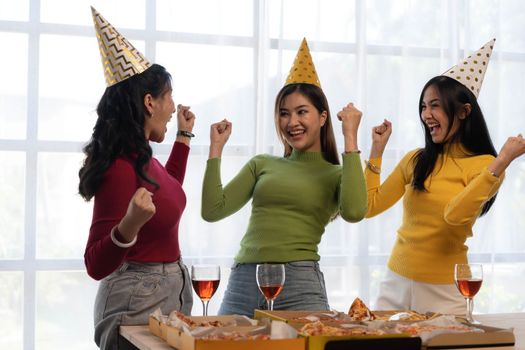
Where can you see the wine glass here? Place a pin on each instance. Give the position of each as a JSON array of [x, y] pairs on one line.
[[468, 279], [270, 279], [205, 280]]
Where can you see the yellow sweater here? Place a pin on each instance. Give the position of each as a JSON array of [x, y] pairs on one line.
[[436, 223]]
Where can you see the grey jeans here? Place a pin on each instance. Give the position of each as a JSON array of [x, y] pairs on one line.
[[304, 289], [133, 291]]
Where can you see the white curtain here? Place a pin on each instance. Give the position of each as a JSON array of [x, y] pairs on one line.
[[228, 59]]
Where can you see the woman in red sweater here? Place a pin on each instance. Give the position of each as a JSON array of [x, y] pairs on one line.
[[133, 244]]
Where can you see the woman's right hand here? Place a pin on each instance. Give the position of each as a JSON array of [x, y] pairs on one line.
[[140, 210], [350, 118], [380, 135], [219, 134]]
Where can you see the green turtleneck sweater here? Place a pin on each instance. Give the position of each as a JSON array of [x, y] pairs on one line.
[[293, 199]]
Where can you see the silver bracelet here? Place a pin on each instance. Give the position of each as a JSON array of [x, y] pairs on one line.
[[120, 244]]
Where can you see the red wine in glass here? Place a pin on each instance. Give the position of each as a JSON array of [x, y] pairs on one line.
[[469, 288], [205, 280], [271, 292], [270, 279], [468, 278], [205, 289]]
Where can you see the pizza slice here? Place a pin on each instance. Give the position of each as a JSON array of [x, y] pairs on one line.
[[360, 312]]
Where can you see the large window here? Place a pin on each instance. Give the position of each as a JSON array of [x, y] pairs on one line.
[[228, 59]]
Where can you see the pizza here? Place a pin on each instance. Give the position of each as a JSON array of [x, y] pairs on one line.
[[319, 328], [360, 312], [235, 336], [330, 317], [418, 328], [402, 316], [192, 324]]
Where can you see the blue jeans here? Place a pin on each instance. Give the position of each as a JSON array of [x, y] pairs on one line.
[[133, 291], [304, 289]]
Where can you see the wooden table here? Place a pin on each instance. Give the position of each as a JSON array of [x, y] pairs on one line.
[[141, 337]]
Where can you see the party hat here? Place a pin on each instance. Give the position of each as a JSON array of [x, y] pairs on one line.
[[120, 59], [470, 71], [303, 69]]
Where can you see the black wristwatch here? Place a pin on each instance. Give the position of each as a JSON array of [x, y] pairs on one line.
[[185, 133]]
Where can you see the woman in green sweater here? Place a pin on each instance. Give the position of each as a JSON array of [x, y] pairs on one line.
[[445, 187], [293, 197]]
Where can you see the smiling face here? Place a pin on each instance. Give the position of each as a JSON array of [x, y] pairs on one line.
[[300, 123], [435, 117], [160, 111]]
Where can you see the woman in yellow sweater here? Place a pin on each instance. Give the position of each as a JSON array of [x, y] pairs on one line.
[[445, 187]]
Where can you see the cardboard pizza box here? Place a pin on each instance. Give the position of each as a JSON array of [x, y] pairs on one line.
[[183, 341], [364, 342], [155, 327], [492, 336]]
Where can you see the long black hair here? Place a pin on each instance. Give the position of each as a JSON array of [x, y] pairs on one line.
[[316, 96], [119, 130], [472, 133]]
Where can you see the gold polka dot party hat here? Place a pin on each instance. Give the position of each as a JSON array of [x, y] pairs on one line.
[[471, 71], [303, 69], [120, 60]]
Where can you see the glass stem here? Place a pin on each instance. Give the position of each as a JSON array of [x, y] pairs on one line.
[[470, 305], [205, 307], [270, 304]]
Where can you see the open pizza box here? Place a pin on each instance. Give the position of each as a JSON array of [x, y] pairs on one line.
[[224, 332], [492, 336], [227, 338], [184, 341], [298, 319], [159, 324], [330, 317], [487, 336]]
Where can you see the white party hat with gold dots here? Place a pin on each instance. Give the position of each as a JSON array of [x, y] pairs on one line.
[[471, 71], [120, 59], [303, 69]]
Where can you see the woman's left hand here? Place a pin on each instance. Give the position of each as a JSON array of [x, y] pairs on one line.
[[513, 148], [185, 118], [350, 118]]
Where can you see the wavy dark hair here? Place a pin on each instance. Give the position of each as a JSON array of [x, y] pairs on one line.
[[472, 133], [119, 130], [317, 97]]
